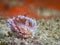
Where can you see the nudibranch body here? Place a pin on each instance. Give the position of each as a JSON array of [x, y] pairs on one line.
[[23, 26]]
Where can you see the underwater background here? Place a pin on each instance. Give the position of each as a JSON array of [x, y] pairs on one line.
[[46, 14]]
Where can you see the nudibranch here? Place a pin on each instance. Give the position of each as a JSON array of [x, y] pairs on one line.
[[23, 26]]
